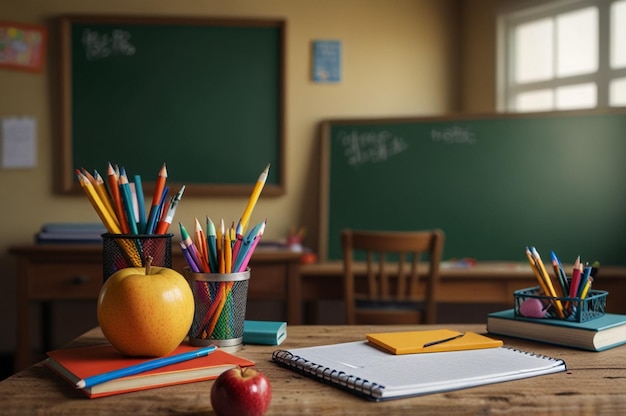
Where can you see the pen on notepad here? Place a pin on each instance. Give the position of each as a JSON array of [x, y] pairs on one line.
[[441, 341], [146, 366]]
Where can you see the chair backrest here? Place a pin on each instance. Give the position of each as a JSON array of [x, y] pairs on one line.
[[391, 293]]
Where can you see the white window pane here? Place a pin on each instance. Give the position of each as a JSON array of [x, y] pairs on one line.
[[533, 51], [618, 92], [576, 96], [540, 100], [577, 42], [618, 34]]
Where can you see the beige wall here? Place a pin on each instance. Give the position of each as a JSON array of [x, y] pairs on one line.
[[477, 56], [400, 57]]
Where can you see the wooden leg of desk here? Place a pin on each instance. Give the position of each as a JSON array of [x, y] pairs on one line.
[[294, 296], [46, 326], [23, 349]]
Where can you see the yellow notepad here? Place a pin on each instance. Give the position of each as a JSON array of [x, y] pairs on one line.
[[437, 340]]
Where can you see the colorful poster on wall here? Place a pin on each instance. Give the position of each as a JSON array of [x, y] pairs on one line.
[[22, 46]]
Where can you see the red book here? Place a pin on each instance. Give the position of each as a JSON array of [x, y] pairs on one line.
[[74, 364]]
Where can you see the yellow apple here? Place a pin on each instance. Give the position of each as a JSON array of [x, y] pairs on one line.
[[145, 311]]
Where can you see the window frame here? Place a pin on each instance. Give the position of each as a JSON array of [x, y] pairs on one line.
[[514, 13]]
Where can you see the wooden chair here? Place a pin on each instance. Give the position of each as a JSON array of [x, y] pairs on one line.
[[391, 294]]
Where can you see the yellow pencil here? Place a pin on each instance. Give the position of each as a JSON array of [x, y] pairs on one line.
[[583, 295], [107, 220], [245, 217], [548, 282], [97, 204], [104, 196], [542, 283], [228, 253]]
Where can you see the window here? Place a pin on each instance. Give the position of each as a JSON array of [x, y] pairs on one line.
[[562, 55]]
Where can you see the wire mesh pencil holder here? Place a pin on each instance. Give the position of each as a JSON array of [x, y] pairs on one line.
[[220, 308], [120, 251], [574, 309]]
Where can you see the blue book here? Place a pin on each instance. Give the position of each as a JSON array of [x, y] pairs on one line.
[[74, 227], [598, 334], [264, 332]]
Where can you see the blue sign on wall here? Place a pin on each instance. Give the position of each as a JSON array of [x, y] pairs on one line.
[[327, 61]]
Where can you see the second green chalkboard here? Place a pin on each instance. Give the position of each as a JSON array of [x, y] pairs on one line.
[[494, 184]]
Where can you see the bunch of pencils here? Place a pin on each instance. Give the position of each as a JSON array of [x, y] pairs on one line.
[[222, 251], [120, 202], [568, 291], [219, 251], [120, 205]]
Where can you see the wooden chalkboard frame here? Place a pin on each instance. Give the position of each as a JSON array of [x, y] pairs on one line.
[[328, 127], [64, 179]]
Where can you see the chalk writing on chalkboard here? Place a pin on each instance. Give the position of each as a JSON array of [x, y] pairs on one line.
[[100, 45], [371, 146], [453, 135]]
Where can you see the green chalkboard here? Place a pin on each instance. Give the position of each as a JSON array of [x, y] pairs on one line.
[[494, 184], [203, 96]]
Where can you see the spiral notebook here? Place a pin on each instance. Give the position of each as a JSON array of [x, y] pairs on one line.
[[371, 373]]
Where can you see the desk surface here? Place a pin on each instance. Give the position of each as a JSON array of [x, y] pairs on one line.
[[594, 383], [450, 270]]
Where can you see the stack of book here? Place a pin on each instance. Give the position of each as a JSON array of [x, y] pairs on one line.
[[597, 334], [70, 233], [116, 372]]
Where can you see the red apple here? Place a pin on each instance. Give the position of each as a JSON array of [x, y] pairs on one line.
[[242, 392], [145, 311]]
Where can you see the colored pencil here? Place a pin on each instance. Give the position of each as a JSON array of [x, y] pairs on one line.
[[141, 207], [201, 244], [100, 188], [238, 239], [255, 242], [191, 247], [573, 288], [171, 210], [143, 367], [97, 204], [113, 183], [560, 273], [258, 187], [157, 200], [548, 281]]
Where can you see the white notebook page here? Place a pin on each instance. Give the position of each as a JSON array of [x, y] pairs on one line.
[[412, 374]]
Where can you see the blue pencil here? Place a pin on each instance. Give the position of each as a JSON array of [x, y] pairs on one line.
[[212, 245], [246, 245], [141, 205], [128, 202], [583, 280], [143, 367]]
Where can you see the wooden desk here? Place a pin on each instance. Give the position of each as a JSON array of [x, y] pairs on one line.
[[595, 383], [487, 282], [49, 273]]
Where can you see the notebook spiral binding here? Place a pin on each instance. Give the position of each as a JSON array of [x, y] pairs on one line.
[[534, 354], [327, 375]]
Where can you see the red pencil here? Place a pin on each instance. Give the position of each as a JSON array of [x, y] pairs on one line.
[[573, 287], [117, 199], [156, 201]]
